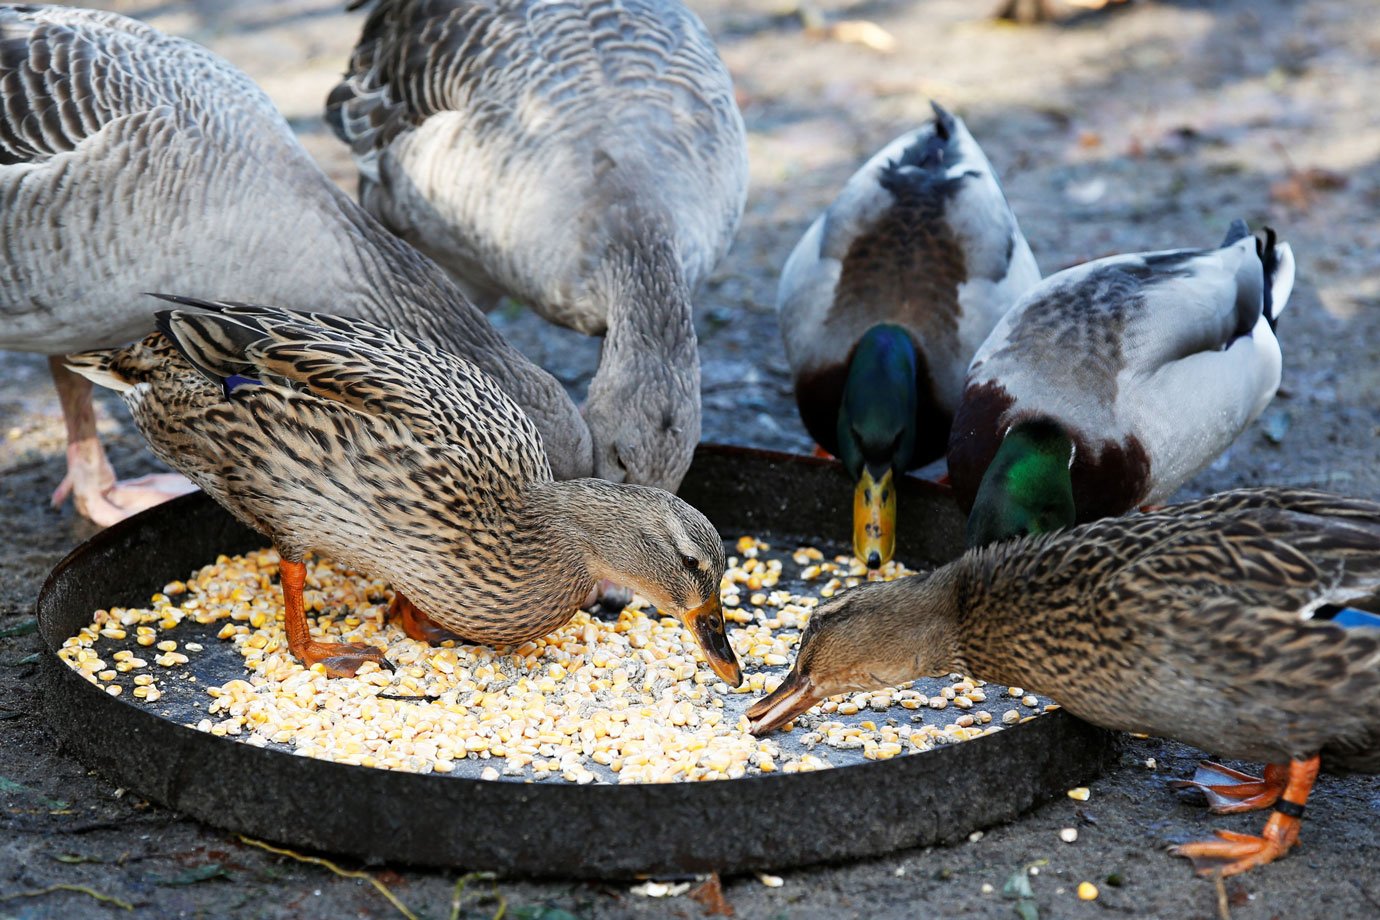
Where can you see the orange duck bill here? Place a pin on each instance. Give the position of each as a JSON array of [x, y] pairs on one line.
[[796, 695], [707, 623]]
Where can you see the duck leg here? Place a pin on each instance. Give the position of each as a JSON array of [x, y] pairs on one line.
[[1234, 853], [1230, 791], [90, 480], [414, 623], [340, 659]]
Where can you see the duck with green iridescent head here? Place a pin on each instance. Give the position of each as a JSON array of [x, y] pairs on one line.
[[883, 303], [1113, 383]]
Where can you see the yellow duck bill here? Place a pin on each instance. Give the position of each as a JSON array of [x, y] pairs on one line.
[[874, 519], [795, 696], [707, 623]]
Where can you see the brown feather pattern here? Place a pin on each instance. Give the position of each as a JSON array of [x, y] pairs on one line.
[[1192, 623], [400, 460]]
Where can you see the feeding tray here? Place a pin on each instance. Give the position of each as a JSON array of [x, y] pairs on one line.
[[857, 808]]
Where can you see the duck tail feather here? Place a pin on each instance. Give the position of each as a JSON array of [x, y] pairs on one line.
[[100, 368], [212, 342], [943, 121], [1277, 261]]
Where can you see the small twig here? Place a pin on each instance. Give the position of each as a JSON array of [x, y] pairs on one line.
[[1223, 909], [343, 873], [457, 895], [81, 889]]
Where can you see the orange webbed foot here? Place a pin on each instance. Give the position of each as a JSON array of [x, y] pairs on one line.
[[415, 624], [821, 453], [1232, 853], [341, 659], [1230, 791]]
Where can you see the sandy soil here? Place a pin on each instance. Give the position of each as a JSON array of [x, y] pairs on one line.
[[1148, 128]]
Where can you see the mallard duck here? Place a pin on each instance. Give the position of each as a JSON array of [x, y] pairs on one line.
[[133, 161], [396, 459], [586, 159], [883, 303], [1113, 383], [1202, 622]]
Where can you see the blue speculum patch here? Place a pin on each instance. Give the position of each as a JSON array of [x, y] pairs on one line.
[[1350, 617], [235, 381]]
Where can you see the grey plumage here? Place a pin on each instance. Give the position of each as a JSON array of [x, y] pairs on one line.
[[586, 158], [133, 161]]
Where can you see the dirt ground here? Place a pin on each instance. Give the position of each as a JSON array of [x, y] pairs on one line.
[[1147, 128]]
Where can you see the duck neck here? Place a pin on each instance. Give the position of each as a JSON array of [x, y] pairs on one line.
[[393, 284], [651, 328], [570, 522], [993, 621]]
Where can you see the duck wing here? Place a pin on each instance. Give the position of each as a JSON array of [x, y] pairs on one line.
[[440, 398]]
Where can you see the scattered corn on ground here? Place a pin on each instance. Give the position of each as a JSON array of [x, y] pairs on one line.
[[627, 701]]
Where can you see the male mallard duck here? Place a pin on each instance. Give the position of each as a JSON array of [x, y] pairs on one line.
[[1113, 383], [397, 459], [133, 161], [1201, 623], [883, 303], [585, 158]]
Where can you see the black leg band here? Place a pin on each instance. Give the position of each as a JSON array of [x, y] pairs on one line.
[[1289, 809]]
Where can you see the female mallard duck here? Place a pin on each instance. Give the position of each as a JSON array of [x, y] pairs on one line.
[[1202, 622], [1113, 383], [585, 158], [1195, 622], [397, 459], [133, 161], [883, 303]]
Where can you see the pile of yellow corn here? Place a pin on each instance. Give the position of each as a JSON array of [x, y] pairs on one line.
[[626, 701]]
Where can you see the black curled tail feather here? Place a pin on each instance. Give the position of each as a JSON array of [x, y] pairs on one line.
[[1269, 261], [943, 121]]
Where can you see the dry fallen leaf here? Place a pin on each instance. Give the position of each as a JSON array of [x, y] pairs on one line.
[[1297, 189], [863, 32], [710, 894]]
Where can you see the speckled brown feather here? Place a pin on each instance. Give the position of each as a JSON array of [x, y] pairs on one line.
[[1189, 623], [399, 460]]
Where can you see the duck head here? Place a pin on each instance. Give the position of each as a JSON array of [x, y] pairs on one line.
[[1027, 488], [876, 435], [877, 635], [662, 548]]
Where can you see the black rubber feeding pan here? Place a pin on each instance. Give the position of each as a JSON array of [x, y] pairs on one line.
[[554, 829]]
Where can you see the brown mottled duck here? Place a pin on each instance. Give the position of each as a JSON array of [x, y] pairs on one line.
[[1214, 623], [397, 459]]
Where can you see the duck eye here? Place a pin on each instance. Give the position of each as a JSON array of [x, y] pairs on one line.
[[690, 562]]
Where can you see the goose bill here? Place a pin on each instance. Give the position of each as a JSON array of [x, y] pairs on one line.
[[707, 623], [795, 696]]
